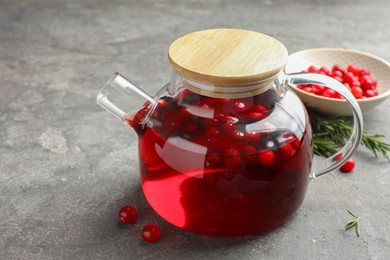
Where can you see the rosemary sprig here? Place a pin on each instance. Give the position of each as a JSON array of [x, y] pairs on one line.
[[355, 222], [329, 134]]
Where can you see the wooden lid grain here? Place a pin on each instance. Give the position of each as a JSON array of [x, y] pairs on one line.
[[224, 57]]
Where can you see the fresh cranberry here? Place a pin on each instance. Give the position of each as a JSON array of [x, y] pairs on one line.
[[349, 77], [338, 68], [348, 166], [313, 69], [308, 89], [353, 69], [337, 73], [151, 233], [324, 70], [363, 72], [127, 214], [357, 92], [318, 89], [266, 157], [369, 93], [330, 93], [367, 83]]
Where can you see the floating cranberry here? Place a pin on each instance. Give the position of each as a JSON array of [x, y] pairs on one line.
[[256, 115], [237, 135], [253, 136], [266, 157], [151, 233], [240, 106], [260, 108], [287, 150], [162, 103], [248, 149], [211, 132], [207, 103], [127, 214], [227, 127]]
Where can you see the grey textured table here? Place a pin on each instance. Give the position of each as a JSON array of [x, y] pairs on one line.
[[67, 166]]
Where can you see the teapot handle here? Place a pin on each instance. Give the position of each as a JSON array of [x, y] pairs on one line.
[[330, 163]]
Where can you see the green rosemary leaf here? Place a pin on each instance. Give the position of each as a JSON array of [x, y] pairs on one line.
[[358, 228], [355, 222], [352, 214], [350, 224], [329, 134]]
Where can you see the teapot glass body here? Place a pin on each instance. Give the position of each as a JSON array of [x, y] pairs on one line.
[[224, 166]]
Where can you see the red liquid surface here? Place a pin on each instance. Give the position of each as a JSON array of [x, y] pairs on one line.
[[219, 181]]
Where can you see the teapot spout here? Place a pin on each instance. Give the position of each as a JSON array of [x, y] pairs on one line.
[[126, 101]]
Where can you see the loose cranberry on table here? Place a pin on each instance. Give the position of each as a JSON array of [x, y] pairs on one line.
[[348, 166], [358, 80], [151, 233], [127, 214]]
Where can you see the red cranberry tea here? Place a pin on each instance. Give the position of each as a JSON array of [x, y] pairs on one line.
[[210, 163]]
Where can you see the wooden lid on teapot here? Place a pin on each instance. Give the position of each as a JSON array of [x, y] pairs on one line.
[[227, 57]]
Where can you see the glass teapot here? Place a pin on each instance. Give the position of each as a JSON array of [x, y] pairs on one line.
[[226, 147]]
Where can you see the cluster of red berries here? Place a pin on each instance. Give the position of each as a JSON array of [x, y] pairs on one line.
[[150, 233], [357, 80]]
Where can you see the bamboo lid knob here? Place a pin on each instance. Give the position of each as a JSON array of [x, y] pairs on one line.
[[227, 56]]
